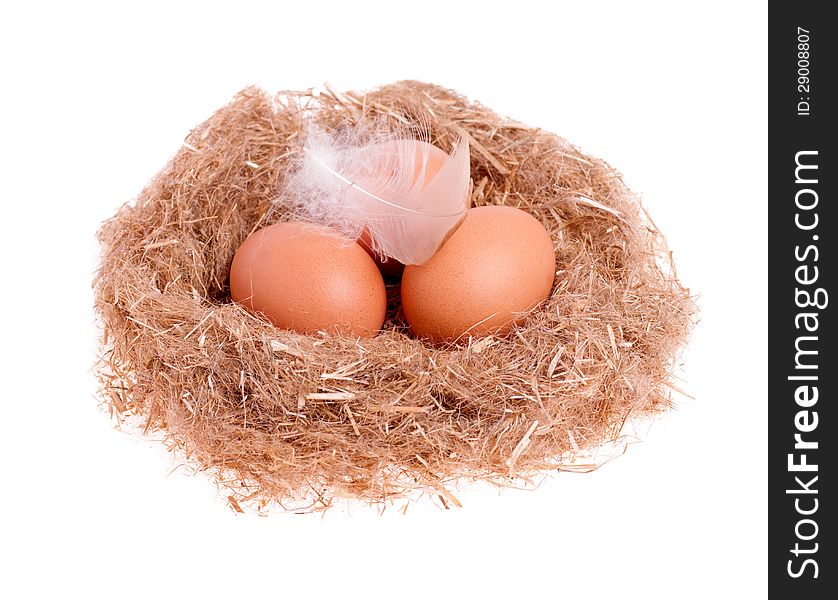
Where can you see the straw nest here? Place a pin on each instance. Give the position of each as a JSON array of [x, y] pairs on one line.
[[297, 419]]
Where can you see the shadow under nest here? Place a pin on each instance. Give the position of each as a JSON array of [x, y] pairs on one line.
[[298, 419]]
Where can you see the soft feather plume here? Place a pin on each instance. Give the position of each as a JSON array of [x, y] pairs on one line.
[[363, 178]]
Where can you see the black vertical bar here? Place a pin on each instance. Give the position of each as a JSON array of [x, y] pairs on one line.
[[802, 558]]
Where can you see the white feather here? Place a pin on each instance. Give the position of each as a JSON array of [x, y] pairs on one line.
[[375, 180]]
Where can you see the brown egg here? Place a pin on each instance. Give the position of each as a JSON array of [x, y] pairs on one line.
[[493, 270], [303, 277], [436, 157], [390, 268]]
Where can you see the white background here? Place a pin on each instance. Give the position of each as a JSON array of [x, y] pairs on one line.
[[94, 101]]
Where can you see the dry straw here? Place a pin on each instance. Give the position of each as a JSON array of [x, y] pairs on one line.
[[297, 419]]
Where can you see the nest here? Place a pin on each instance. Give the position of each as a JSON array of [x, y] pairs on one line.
[[297, 419]]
